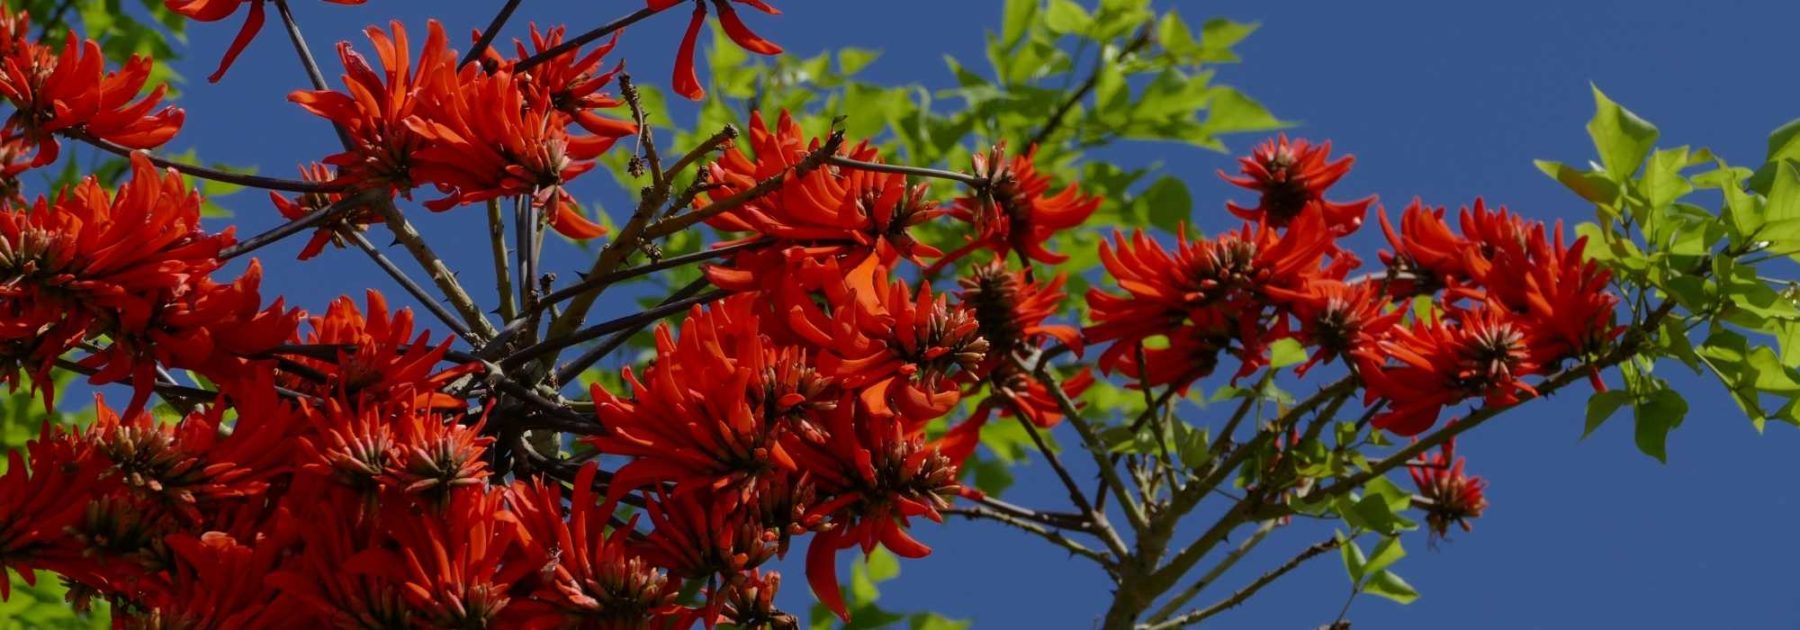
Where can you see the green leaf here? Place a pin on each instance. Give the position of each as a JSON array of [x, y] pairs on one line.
[[1602, 406], [1066, 17], [1622, 138], [1167, 203], [1784, 195], [934, 621], [1390, 586], [1218, 35], [1016, 21], [1286, 352], [853, 60], [1592, 186], [1386, 553], [1231, 111], [1353, 558], [1656, 414]]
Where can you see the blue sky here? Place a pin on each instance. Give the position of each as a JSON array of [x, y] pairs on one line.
[[1442, 100]]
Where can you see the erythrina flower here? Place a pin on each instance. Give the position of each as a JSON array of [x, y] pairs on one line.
[[1016, 211], [376, 356], [589, 576], [1483, 353], [1340, 319], [485, 140], [709, 409], [456, 565], [375, 106], [877, 477], [72, 93], [43, 494], [1208, 292], [128, 265], [1424, 249], [215, 10], [843, 213], [308, 203], [573, 84], [1451, 497], [1293, 178], [687, 82], [905, 353], [215, 581]]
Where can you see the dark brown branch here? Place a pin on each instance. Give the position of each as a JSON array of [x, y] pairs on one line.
[[239, 179], [296, 226], [591, 333], [406, 282], [488, 34], [901, 169], [1250, 589], [569, 371], [622, 275], [582, 39]]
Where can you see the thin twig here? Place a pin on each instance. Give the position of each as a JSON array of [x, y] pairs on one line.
[[1057, 117], [622, 275], [502, 268], [406, 282], [902, 169], [239, 179], [582, 39], [597, 331], [295, 226], [1054, 537], [1250, 589], [569, 371], [487, 34]]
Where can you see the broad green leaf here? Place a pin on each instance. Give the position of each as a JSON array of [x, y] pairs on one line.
[[1016, 21], [1066, 17], [1390, 586], [1602, 406], [1352, 556], [1386, 553], [1656, 414], [1286, 352], [1592, 186], [1167, 203], [1218, 35], [1622, 138], [853, 60]]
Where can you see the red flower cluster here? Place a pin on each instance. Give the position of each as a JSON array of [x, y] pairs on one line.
[[477, 132], [1508, 301], [814, 215], [1015, 212], [71, 93], [132, 267], [1450, 497]]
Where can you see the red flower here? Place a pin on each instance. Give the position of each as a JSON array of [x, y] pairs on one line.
[[215, 10], [1018, 212], [573, 84], [1570, 303], [709, 409], [843, 213], [214, 582], [1484, 352], [435, 457], [72, 93], [1340, 319], [131, 266], [1292, 178], [456, 566], [905, 353], [1204, 296], [1424, 249], [485, 139], [375, 106], [44, 493], [1451, 497], [687, 82], [309, 203], [377, 357], [877, 477], [588, 575]]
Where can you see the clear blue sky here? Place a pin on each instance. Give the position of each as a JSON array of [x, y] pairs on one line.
[[1442, 100]]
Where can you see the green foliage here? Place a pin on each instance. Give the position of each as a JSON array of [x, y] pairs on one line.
[[1726, 274]]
